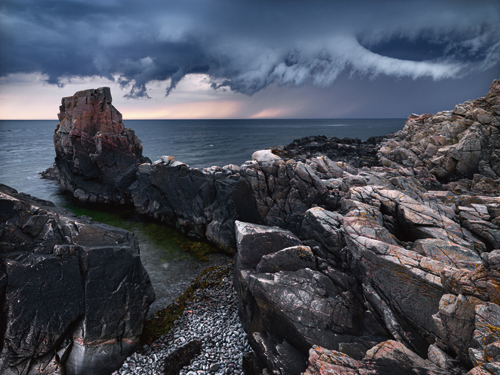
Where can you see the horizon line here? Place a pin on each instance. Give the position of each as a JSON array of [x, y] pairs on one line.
[[228, 119]]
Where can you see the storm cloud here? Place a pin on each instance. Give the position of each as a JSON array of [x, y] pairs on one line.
[[245, 46]]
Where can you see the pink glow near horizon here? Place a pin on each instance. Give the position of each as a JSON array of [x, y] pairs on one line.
[[193, 99]]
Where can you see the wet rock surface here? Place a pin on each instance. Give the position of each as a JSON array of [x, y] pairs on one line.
[[74, 293]]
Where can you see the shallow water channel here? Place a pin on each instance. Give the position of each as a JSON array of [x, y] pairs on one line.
[[172, 259]]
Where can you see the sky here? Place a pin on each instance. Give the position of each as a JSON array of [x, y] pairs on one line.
[[169, 59]]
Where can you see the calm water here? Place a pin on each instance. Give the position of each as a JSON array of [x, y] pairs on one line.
[[172, 260], [26, 147], [204, 143]]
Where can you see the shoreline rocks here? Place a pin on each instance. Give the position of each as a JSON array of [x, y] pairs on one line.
[[451, 144], [74, 293], [353, 151], [360, 267]]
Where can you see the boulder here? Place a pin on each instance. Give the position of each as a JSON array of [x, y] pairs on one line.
[[73, 293], [264, 156], [254, 241], [289, 259], [284, 299]]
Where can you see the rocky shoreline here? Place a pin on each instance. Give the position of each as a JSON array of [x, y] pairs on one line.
[[383, 258]]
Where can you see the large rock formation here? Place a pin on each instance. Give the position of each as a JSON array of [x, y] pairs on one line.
[[394, 262], [451, 144], [73, 293], [96, 156], [100, 160], [205, 203]]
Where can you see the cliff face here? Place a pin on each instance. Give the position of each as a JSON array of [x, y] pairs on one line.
[[451, 144], [97, 157]]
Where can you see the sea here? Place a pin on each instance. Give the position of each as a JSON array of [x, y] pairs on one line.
[[171, 259]]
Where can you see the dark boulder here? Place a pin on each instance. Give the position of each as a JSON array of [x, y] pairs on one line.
[[73, 293], [287, 306]]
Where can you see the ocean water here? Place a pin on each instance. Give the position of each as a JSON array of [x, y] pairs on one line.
[[205, 143], [26, 147], [171, 259]]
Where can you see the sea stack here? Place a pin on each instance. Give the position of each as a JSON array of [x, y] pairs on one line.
[[96, 156]]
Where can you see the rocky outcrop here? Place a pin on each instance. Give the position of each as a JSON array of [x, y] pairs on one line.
[[360, 267], [393, 262], [451, 144], [405, 279], [73, 293], [287, 305], [198, 202], [96, 156], [97, 159], [389, 357], [351, 150], [205, 203]]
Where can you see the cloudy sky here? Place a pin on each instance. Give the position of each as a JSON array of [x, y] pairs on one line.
[[248, 58]]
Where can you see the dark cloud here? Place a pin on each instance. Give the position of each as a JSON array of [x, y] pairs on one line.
[[246, 46]]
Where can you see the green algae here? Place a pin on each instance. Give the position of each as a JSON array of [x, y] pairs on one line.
[[167, 240]]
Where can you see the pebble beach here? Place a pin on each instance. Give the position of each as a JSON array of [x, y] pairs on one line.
[[211, 317]]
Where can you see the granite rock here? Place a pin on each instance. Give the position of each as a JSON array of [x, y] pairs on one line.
[[451, 144], [389, 357]]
